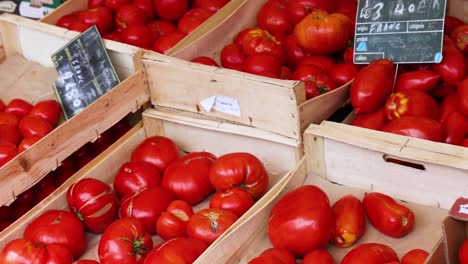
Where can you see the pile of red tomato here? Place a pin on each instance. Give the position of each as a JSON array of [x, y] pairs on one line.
[[150, 24], [153, 194], [428, 101]]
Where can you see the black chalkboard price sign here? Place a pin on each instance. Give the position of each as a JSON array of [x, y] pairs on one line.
[[404, 31], [85, 72]]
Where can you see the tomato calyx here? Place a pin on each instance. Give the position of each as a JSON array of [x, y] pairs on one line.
[[213, 218], [138, 248], [398, 104]]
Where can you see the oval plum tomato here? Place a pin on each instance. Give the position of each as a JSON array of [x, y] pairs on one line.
[[443, 90], [116, 4], [212, 5], [235, 199], [371, 86], [422, 80], [343, 73], [9, 134], [208, 224], [415, 256], [130, 15], [463, 253], [102, 17], [232, 57], [188, 177], [34, 126], [95, 3], [456, 128], [86, 261], [78, 26], [192, 19], [48, 109], [388, 216], [58, 227], [257, 41], [285, 73], [451, 23], [146, 205], [299, 9], [157, 150], [350, 221], [139, 36], [173, 223], [134, 176], [178, 250], [324, 62], [313, 213], [7, 152], [18, 107], [146, 6], [26, 251], [160, 28], [205, 60], [166, 42], [453, 67], [370, 253], [124, 241], [318, 256], [294, 52], [2, 106], [66, 20], [418, 127], [94, 202], [263, 64], [273, 17], [171, 10], [242, 170], [411, 103], [274, 256], [448, 106], [463, 96], [324, 33], [375, 120], [9, 119]]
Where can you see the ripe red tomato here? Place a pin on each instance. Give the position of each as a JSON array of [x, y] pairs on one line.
[[212, 5], [370, 253], [18, 107], [449, 105], [173, 223], [421, 80], [160, 28], [157, 150], [418, 127], [239, 39], [294, 52], [460, 38], [27, 197], [124, 241], [9, 134], [316, 80], [324, 33], [94, 202], [66, 20], [456, 128], [47, 181], [299, 9], [232, 57], [273, 17], [262, 64], [2, 106], [235, 199], [303, 227], [342, 73], [443, 90], [192, 19], [324, 62], [50, 110], [205, 60], [411, 103], [350, 221], [146, 205], [453, 67], [86, 261], [9, 119], [130, 15], [78, 26], [119, 129], [34, 126], [5, 212], [208, 224], [116, 4], [146, 6], [139, 36], [95, 3], [463, 96], [102, 17], [58, 227], [104, 141], [171, 10], [166, 42], [4, 224], [274, 256], [375, 120], [318, 256], [7, 152], [114, 35], [415, 256], [240, 169], [257, 41], [463, 253], [26, 251], [451, 23], [178, 250], [44, 193], [18, 211], [134, 176]]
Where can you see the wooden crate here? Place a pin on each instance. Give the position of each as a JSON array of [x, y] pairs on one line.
[[26, 71], [455, 233], [192, 133], [250, 239]]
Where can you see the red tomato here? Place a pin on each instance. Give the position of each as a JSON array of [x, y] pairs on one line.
[[212, 5], [375, 120], [18, 107], [294, 52], [273, 17], [4, 212], [460, 38], [22, 250], [50, 110], [208, 224], [415, 256], [315, 79], [173, 223], [146, 205], [160, 28], [263, 64], [7, 152], [115, 36], [166, 42], [285, 73], [34, 126], [324, 62], [2, 106], [58, 227], [63, 175], [130, 15], [44, 193], [28, 197], [134, 176], [124, 241], [157, 150], [78, 26], [346, 7], [232, 57], [350, 221], [205, 60], [463, 253], [348, 55], [451, 23], [9, 134], [9, 119], [18, 211], [342, 73], [422, 80], [102, 17], [448, 106], [86, 261], [411, 103], [299, 9], [95, 3], [119, 129], [318, 256], [178, 250], [274, 256], [240, 169], [66, 20], [456, 128], [146, 6], [324, 33], [4, 224], [94, 202], [257, 41], [104, 141], [235, 199], [418, 127], [371, 86], [370, 253], [83, 161], [443, 90], [116, 4], [463, 96], [139, 36], [192, 19], [453, 67], [47, 181], [171, 10], [239, 39], [312, 217]]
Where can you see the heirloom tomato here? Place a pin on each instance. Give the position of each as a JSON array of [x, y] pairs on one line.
[[451, 23], [173, 222], [346, 7], [209, 224], [139, 36], [456, 128], [318, 256], [177, 250], [342, 73], [460, 37], [160, 28], [134, 176], [415, 256], [171, 10], [130, 15], [411, 103], [274, 256], [157, 150], [192, 19], [298, 9], [350, 221], [102, 17], [34, 126], [463, 96], [239, 38], [463, 253], [9, 134], [273, 17], [49, 110], [25, 198], [257, 41], [166, 42], [18, 107], [422, 80], [232, 57], [9, 119], [262, 64], [294, 52], [212, 5], [235, 199], [66, 20], [324, 62], [116, 4], [7, 152], [453, 67], [124, 241], [205, 60], [146, 6], [24, 251], [370, 253]]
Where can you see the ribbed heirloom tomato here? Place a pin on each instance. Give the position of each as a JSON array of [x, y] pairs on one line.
[[273, 17], [23, 251], [178, 250], [171, 10], [274, 256], [192, 19], [157, 150], [212, 5], [209, 224], [257, 41], [298, 9], [134, 176], [234, 199], [173, 223]]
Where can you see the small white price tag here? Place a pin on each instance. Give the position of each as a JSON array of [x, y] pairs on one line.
[[208, 103], [224, 104]]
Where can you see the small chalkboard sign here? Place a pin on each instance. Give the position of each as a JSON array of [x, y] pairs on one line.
[[85, 72], [404, 31]]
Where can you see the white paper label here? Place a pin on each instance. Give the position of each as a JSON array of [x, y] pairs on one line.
[[208, 103], [224, 104], [463, 209]]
